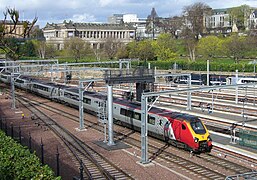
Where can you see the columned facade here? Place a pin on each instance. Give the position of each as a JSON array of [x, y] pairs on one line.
[[93, 33]]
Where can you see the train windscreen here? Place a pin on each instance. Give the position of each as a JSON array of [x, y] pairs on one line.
[[198, 127]]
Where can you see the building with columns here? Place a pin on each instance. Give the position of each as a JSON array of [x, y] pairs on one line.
[[94, 33], [18, 29]]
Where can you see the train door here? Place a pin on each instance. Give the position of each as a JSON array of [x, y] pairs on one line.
[[168, 131], [159, 125]]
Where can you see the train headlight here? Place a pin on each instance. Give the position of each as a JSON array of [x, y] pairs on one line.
[[196, 140], [209, 138]]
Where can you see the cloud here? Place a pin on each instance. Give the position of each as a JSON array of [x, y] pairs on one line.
[[83, 18], [99, 10], [104, 3]]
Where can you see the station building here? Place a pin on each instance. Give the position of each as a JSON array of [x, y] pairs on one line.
[[94, 33]]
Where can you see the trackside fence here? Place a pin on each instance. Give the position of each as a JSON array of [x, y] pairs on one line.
[[248, 138]]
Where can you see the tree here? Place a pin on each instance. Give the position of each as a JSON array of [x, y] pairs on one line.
[[8, 30], [145, 50], [122, 52], [194, 25], [50, 50], [172, 25], [164, 47], [40, 47], [209, 46], [111, 47], [235, 46], [132, 49], [77, 48], [28, 49], [238, 16]]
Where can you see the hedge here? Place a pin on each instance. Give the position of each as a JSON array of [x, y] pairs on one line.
[[16, 162], [200, 65]]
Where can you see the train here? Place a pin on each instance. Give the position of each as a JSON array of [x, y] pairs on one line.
[[200, 79], [177, 128], [241, 80]]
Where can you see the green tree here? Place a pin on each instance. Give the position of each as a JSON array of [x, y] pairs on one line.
[[28, 49], [210, 46], [164, 47], [50, 51], [132, 49], [122, 52], [235, 46], [145, 50], [77, 48]]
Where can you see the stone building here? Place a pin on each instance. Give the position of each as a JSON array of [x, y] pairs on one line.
[[94, 33], [18, 30]]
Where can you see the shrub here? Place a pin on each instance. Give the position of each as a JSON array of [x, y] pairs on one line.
[[16, 162]]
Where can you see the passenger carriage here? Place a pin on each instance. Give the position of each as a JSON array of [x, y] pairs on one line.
[[171, 126]]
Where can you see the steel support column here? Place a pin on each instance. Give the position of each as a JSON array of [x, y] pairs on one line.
[[144, 142], [13, 91], [208, 72], [81, 107], [189, 93], [110, 115], [236, 98]]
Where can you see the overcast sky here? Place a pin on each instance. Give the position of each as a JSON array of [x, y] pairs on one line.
[[55, 11]]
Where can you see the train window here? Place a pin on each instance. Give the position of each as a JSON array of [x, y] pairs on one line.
[[183, 127], [87, 100], [198, 127], [123, 112], [151, 120], [71, 96], [43, 88], [19, 81], [129, 113], [137, 116]]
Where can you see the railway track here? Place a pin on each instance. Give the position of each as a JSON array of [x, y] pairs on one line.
[[172, 159], [95, 166]]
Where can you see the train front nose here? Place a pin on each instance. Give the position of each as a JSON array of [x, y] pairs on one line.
[[205, 146]]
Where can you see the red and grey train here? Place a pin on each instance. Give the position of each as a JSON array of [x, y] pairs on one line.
[[177, 128]]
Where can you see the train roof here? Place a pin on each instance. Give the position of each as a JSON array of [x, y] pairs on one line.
[[159, 111], [89, 93], [46, 83]]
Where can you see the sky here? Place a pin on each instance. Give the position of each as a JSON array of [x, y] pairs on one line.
[[56, 11]]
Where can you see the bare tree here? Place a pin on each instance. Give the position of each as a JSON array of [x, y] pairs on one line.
[[194, 25], [111, 47], [8, 28], [172, 25], [77, 48], [239, 15], [40, 47]]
